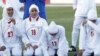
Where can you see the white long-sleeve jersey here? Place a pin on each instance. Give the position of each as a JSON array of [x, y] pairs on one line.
[[33, 29], [86, 37], [58, 42], [96, 27], [9, 33]]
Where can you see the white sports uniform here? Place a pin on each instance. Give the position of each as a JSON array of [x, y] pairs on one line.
[[96, 44], [9, 34], [51, 43], [86, 39], [33, 30], [84, 9]]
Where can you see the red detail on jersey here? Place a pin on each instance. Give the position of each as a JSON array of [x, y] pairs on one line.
[[33, 32], [37, 18], [31, 19], [10, 34]]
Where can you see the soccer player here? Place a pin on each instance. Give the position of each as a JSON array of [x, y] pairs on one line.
[[33, 27], [83, 9], [9, 29], [96, 33], [39, 3], [54, 40], [87, 36]]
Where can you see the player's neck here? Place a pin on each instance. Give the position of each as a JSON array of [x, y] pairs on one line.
[[34, 19]]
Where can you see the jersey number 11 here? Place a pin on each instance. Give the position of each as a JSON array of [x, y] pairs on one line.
[[10, 34]]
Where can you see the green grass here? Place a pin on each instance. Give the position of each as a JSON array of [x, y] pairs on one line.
[[62, 16], [0, 12]]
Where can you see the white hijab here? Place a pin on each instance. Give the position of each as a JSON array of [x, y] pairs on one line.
[[52, 28], [34, 6], [5, 14]]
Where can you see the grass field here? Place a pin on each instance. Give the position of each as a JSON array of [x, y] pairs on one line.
[[62, 16]]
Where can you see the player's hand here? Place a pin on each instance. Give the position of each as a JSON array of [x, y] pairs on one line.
[[12, 20], [2, 48], [35, 46], [28, 46], [80, 53]]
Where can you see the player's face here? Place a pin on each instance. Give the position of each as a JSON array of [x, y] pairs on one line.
[[34, 12], [10, 12]]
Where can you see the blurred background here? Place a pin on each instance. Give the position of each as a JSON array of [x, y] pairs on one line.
[[64, 1]]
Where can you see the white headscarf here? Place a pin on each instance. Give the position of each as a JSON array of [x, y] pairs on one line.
[[34, 6], [5, 14], [52, 28]]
